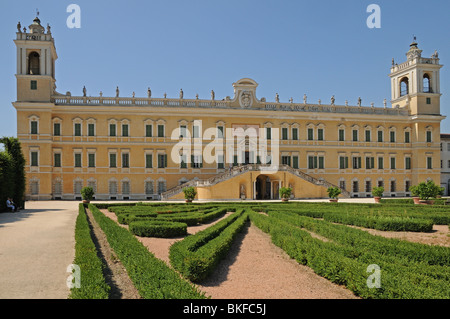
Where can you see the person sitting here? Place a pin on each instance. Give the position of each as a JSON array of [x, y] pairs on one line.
[[10, 204]]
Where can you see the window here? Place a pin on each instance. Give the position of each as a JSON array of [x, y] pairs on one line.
[[428, 100], [57, 160], [341, 135], [162, 160], [448, 165], [284, 133], [112, 160], [392, 136], [393, 186], [34, 63], [355, 135], [91, 129], [368, 186], [33, 85], [392, 162], [77, 159], [316, 162], [448, 147], [148, 130], [310, 134], [407, 162], [268, 133], [380, 136], [77, 186], [380, 183], [112, 129], [407, 186], [220, 162], [112, 187], [195, 131], [125, 130], [407, 137], [161, 187], [355, 187], [125, 160], [34, 159], [404, 86], [428, 136], [370, 162], [160, 130], [368, 136], [91, 159], [197, 161], [380, 163], [77, 129], [320, 134], [57, 129], [295, 134], [426, 83], [343, 162], [34, 187], [286, 160], [148, 161], [342, 184], [295, 162], [149, 188], [125, 187], [183, 163], [220, 132], [429, 162], [356, 162], [34, 127]]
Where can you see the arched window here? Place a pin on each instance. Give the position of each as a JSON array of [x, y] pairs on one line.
[[33, 63], [404, 86], [426, 83]]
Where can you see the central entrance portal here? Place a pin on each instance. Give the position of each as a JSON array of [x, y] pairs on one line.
[[263, 187]]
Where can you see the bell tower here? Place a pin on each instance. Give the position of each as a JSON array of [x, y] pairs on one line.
[[415, 84], [36, 56]]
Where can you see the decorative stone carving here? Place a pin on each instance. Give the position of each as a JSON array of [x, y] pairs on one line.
[[245, 99], [181, 94], [19, 27], [117, 91], [332, 100], [149, 93], [277, 98]]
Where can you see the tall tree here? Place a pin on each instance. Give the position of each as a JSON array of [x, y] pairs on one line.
[[17, 180]]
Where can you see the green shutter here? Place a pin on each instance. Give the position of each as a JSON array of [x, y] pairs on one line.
[[407, 137], [91, 129], [112, 129], [284, 133], [355, 135], [125, 130], [148, 130], [34, 159], [372, 162], [77, 160], [321, 162], [160, 130], [112, 160], [77, 129], [380, 163], [268, 133], [91, 160], [34, 127], [320, 134], [295, 162], [310, 134], [346, 162], [367, 136], [295, 134], [380, 136], [57, 160], [341, 135], [148, 160], [56, 129]]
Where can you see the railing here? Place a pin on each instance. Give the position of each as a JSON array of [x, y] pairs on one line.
[[238, 170], [165, 102]]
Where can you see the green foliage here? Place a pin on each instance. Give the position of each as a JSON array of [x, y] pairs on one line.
[[150, 275], [409, 270], [285, 192], [196, 256], [87, 193], [158, 228], [189, 193], [427, 190], [378, 191], [93, 284], [334, 192], [12, 172]]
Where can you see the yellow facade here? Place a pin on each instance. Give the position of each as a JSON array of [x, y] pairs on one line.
[[124, 146]]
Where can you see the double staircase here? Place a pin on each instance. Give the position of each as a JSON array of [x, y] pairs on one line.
[[239, 170]]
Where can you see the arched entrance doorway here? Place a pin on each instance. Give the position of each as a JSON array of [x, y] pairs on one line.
[[266, 188]]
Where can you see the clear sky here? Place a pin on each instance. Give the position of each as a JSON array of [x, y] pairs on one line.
[[290, 47]]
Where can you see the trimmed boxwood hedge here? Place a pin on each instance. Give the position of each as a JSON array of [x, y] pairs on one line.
[[196, 256], [158, 228], [150, 275], [93, 284]]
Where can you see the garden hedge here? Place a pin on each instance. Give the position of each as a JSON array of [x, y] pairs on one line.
[[93, 284], [150, 275], [158, 228]]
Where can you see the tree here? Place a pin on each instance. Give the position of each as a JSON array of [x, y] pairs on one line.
[[334, 192], [285, 192], [189, 193], [87, 193], [16, 182], [427, 190]]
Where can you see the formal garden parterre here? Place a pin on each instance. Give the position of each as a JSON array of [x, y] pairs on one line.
[[321, 236]]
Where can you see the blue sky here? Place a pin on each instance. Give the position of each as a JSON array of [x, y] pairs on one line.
[[321, 48]]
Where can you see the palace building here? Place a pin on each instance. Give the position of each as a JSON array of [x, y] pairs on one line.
[[129, 147]]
